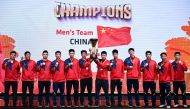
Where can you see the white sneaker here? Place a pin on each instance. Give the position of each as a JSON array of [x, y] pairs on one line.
[[62, 106], [96, 106], [161, 106], [47, 106], [185, 106], [176, 105], [81, 105], [168, 106], [54, 106], [68, 105], [137, 106], [40, 106], [76, 106], [130, 106]]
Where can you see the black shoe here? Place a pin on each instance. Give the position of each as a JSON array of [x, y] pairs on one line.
[[81, 104], [145, 105], [153, 106], [69, 104], [112, 104], [108, 104], [54, 104], [31, 105], [47, 105], [14, 104], [90, 104], [62, 104], [39, 105], [96, 104], [119, 104], [76, 104], [137, 106], [6, 107], [130, 106], [24, 105]]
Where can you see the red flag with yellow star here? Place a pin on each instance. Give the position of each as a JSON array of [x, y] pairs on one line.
[[109, 37]]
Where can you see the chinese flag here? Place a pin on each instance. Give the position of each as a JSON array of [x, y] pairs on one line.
[[109, 37]]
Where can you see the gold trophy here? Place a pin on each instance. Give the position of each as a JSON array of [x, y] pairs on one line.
[[93, 50]]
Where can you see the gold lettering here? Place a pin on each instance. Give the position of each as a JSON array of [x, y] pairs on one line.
[[119, 11], [111, 11], [127, 12], [65, 9], [96, 10]]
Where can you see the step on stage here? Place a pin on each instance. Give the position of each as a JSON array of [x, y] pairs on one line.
[[101, 102]]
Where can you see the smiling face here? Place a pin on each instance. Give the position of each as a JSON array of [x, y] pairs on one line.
[[71, 54], [115, 55], [58, 55], [103, 56], [83, 54], [12, 56], [27, 56], [45, 55], [164, 57], [177, 56], [131, 53], [148, 55]]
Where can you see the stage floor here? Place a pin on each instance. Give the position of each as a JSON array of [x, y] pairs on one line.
[[101, 103]]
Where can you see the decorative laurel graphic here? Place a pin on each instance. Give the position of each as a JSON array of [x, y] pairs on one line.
[[181, 44], [6, 45]]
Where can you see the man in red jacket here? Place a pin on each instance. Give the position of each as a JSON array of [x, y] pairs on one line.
[[12, 76], [132, 65], [117, 75], [148, 67], [72, 77], [102, 78], [166, 77], [179, 81], [57, 69], [44, 77], [28, 77], [85, 77]]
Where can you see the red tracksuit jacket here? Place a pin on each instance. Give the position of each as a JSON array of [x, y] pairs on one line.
[[133, 73], [28, 70], [12, 70], [44, 71], [85, 68], [150, 72], [102, 69], [117, 69], [72, 72], [166, 73], [179, 70], [58, 72]]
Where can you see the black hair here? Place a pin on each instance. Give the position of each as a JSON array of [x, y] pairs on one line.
[[12, 52], [45, 51], [115, 51], [83, 51], [71, 50], [27, 53], [177, 53], [103, 52], [131, 49], [58, 52], [148, 52], [163, 53]]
